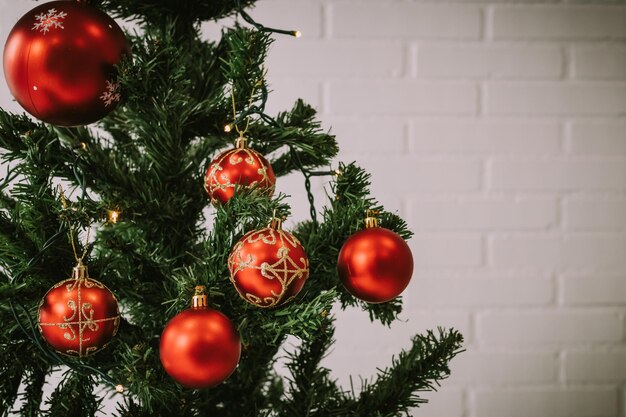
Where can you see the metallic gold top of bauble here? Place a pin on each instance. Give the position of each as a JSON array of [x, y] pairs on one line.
[[199, 299], [370, 219]]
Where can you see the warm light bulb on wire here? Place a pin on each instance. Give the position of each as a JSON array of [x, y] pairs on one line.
[[113, 216]]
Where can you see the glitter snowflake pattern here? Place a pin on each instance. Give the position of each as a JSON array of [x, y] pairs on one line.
[[51, 19], [112, 94]]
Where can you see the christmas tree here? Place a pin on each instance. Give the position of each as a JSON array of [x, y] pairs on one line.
[[139, 178]]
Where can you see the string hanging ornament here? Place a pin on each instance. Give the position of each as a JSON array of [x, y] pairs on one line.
[[78, 316], [240, 166]]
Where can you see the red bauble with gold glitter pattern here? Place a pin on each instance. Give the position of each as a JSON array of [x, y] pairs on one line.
[[375, 264], [200, 347], [269, 266], [59, 62], [238, 166], [78, 316]]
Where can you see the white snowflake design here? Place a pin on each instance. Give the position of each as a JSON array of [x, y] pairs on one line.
[[112, 93], [52, 19]]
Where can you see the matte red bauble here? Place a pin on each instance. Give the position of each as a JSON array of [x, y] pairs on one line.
[[269, 266], [78, 316], [200, 347], [375, 264], [239, 166], [59, 62]]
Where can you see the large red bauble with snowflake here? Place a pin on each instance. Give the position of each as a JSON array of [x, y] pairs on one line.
[[78, 316], [269, 266], [375, 264], [59, 62], [238, 166], [200, 347]]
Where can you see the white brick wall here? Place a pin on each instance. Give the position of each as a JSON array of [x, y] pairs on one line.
[[555, 98], [497, 128], [477, 60], [559, 22], [547, 401]]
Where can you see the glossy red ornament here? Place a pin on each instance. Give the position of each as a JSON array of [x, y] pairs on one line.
[[200, 347], [59, 62], [78, 316], [238, 166], [269, 266], [375, 264]]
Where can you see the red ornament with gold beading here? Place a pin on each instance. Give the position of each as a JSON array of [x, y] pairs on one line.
[[59, 62], [238, 166], [78, 316], [268, 267]]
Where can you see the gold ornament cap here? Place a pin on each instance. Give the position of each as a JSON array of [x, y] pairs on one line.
[[277, 222], [80, 271], [199, 300], [370, 219], [241, 142]]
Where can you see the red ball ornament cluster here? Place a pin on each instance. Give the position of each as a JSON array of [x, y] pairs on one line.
[[59, 62], [238, 166], [78, 316], [200, 347], [268, 267], [375, 264]]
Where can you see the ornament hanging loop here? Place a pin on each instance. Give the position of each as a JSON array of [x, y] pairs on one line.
[[243, 131], [241, 142], [79, 272], [370, 218], [79, 259], [276, 223]]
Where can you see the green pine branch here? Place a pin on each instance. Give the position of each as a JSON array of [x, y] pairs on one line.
[[156, 12], [74, 397], [311, 390], [32, 397]]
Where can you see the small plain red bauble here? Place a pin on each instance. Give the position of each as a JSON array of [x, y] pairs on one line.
[[200, 348], [238, 166], [78, 316], [59, 62], [375, 265], [268, 267]]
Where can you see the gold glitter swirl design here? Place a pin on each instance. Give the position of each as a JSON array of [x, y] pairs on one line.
[[81, 317], [285, 270], [214, 180]]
